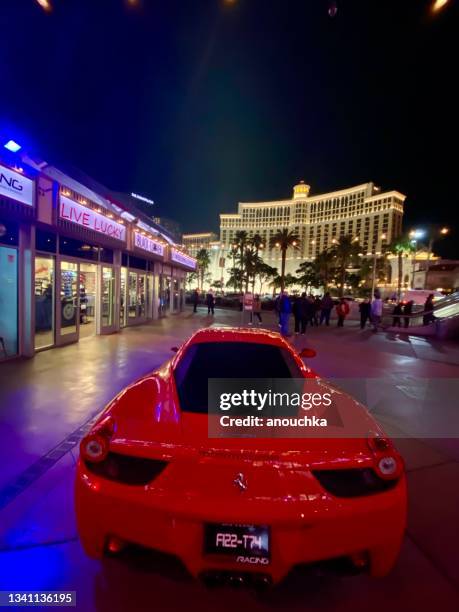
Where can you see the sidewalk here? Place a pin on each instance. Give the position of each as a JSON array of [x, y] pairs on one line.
[[46, 400]]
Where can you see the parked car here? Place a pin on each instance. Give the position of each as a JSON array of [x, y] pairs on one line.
[[251, 509]]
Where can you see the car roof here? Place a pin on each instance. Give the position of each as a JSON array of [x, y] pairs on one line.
[[238, 334]]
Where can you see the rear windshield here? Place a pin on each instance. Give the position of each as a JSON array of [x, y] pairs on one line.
[[228, 360]]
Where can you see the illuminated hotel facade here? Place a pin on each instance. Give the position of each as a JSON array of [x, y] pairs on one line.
[[371, 217]]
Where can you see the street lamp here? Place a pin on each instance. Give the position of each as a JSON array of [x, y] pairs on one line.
[[45, 5], [438, 5]]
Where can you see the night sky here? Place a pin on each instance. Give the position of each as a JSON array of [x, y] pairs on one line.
[[198, 104]]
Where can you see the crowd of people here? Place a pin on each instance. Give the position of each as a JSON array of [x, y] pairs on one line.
[[316, 310]]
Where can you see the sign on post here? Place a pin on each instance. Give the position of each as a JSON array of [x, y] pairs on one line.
[[248, 301]]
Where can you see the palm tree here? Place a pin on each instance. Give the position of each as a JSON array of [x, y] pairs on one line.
[[235, 278], [241, 239], [345, 251], [251, 260], [401, 246], [308, 275], [324, 263], [256, 242], [265, 272], [203, 263], [284, 239]]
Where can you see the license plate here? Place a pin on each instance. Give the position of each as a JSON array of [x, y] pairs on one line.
[[245, 541]]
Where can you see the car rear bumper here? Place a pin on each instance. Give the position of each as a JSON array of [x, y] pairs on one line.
[[303, 531]]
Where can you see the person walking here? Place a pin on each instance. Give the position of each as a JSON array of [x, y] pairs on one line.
[[428, 310], [304, 313], [396, 321], [365, 310], [210, 302], [326, 306], [376, 311], [317, 309], [310, 310], [407, 310], [195, 300], [296, 308], [342, 310], [285, 309], [256, 308]]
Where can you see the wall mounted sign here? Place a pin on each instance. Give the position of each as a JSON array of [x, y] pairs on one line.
[[147, 244], [85, 217], [16, 186], [183, 259]]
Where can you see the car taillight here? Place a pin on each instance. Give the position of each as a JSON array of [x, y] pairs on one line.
[[378, 444], [389, 467], [388, 462], [95, 446]]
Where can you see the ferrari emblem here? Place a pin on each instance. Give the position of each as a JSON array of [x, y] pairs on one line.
[[241, 482]]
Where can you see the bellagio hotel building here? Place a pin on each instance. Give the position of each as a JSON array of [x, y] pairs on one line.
[[372, 217]]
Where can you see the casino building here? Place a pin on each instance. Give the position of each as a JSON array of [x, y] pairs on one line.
[[77, 259], [372, 217]]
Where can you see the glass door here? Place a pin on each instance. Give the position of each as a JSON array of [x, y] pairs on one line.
[[141, 298], [8, 302], [88, 299], [107, 299], [44, 301], [123, 297], [68, 306], [132, 296]]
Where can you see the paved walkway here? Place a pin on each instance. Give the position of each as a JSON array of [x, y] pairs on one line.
[[45, 403]]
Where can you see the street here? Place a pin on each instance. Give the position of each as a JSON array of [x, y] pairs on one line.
[[49, 402]]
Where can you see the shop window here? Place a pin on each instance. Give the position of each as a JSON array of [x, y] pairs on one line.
[[44, 301], [124, 260], [69, 297], [8, 302], [141, 301], [123, 300], [108, 296], [45, 241], [132, 295], [9, 233]]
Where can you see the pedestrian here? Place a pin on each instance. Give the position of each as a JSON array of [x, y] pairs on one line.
[[428, 310], [195, 300], [304, 313], [326, 306], [376, 311], [365, 310], [256, 308], [317, 309], [210, 302], [285, 309], [277, 308], [407, 311], [342, 310], [296, 308], [396, 321], [310, 310]]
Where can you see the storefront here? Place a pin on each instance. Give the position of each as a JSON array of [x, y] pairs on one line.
[[17, 212], [75, 263]]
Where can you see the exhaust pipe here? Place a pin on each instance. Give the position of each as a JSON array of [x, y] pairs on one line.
[[217, 578], [236, 580]]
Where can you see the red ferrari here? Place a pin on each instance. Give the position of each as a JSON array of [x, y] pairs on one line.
[[243, 508]]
